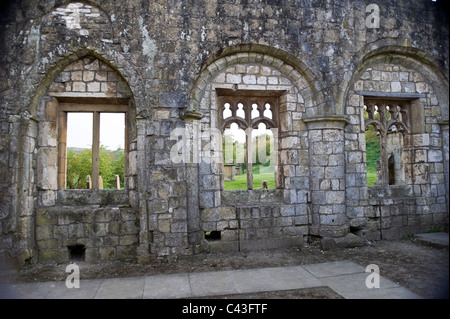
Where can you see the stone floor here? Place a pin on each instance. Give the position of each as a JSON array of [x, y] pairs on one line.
[[344, 277]]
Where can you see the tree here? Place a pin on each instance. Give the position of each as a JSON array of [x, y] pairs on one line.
[[79, 165], [106, 168]]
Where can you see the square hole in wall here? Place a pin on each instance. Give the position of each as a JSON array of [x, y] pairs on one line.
[[77, 252], [213, 235]]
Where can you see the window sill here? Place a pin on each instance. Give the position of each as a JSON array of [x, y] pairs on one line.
[[387, 191], [104, 197], [230, 197]]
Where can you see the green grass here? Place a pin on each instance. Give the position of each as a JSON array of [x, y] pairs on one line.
[[240, 181], [372, 156], [371, 178]]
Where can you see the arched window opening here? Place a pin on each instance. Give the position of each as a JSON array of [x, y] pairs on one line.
[[249, 141], [93, 132], [385, 123]]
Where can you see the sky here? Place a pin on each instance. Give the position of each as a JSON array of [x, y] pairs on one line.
[[112, 130]]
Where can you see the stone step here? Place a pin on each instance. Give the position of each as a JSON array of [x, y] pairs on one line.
[[439, 239]]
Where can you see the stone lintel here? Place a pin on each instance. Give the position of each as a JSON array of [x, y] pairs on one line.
[[443, 121], [392, 96]]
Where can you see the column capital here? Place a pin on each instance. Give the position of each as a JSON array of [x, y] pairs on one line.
[[190, 115], [443, 121], [326, 122]]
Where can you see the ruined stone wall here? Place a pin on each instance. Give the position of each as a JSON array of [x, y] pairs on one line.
[[418, 197], [103, 233], [163, 61]]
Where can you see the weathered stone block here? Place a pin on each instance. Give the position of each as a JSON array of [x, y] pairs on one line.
[[107, 253], [53, 256], [227, 213], [46, 218], [164, 225]]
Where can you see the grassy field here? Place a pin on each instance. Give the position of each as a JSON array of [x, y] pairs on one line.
[[260, 173], [372, 156], [372, 152], [241, 181]]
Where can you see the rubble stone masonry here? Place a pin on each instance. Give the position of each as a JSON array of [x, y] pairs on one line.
[[168, 65]]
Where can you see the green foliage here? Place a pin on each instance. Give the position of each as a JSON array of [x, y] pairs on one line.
[[79, 165], [372, 155]]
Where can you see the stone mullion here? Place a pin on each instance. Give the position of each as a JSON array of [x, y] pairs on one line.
[[382, 108], [233, 108], [96, 151], [249, 142], [445, 152], [194, 233], [62, 149], [370, 110], [383, 158]]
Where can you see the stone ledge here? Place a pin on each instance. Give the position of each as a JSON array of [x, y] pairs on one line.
[[81, 197], [438, 240], [399, 96], [232, 197], [255, 244]]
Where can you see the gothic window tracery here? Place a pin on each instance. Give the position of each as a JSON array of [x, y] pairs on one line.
[[251, 118], [390, 120]]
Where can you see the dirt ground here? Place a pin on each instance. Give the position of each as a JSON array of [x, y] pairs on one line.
[[417, 267]]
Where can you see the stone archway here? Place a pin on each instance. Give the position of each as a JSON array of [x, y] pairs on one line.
[[413, 77], [87, 83], [302, 201]]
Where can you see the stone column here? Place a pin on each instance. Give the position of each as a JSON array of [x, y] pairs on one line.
[[137, 159], [327, 176], [192, 121], [47, 153], [24, 131]]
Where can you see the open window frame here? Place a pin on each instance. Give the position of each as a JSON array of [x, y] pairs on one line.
[[245, 99], [96, 110]]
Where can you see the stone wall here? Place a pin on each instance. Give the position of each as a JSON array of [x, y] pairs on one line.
[[104, 233], [165, 64], [253, 220], [89, 77]]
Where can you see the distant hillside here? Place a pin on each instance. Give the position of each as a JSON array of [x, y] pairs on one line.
[[77, 149], [80, 149]]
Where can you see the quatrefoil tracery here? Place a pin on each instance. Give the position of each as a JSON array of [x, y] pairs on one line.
[[386, 116], [248, 114]]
